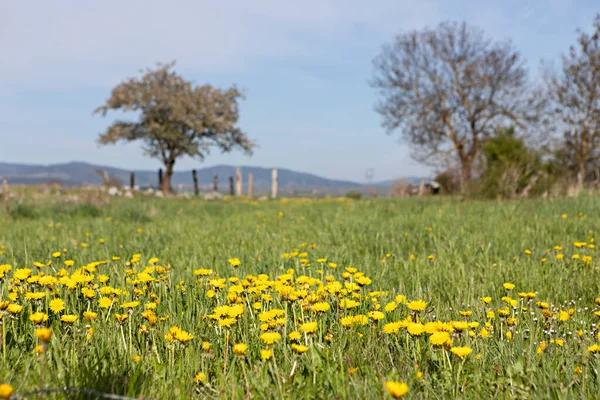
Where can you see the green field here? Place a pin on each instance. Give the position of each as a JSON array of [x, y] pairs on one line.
[[540, 342]]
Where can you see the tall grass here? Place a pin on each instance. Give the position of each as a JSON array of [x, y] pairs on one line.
[[446, 252]]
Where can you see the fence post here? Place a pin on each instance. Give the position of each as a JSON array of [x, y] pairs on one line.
[[215, 183], [160, 179], [231, 188], [195, 178], [132, 180], [250, 185], [238, 181], [274, 183], [5, 189], [422, 187]]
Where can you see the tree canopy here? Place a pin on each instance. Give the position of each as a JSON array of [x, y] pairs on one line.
[[575, 91], [447, 89], [176, 118]]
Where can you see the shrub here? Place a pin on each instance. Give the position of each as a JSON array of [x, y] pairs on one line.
[[354, 194]]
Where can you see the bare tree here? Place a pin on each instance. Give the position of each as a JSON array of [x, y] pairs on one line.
[[447, 89], [176, 118], [575, 92]]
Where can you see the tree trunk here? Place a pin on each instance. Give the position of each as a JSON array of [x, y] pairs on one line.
[[166, 185], [580, 175], [466, 169]]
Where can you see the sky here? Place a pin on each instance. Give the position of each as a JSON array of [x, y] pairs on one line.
[[304, 67]]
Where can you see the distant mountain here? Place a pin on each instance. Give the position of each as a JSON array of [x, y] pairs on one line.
[[414, 180], [82, 173]]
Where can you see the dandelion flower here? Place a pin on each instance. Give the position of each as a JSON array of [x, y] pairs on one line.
[[130, 304], [461, 352], [321, 307], [270, 337], [203, 272], [182, 336], [240, 349], [396, 389], [200, 377], [69, 318], [14, 308], [415, 329], [416, 305], [266, 354], [57, 305], [121, 317], [299, 348], [309, 327], [38, 317], [44, 334], [6, 391], [104, 302], [90, 315], [439, 338]]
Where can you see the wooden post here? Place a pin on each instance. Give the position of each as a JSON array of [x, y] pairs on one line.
[[231, 187], [250, 185], [4, 192], [274, 183], [215, 183], [195, 178], [160, 179], [132, 180], [422, 187], [238, 182]]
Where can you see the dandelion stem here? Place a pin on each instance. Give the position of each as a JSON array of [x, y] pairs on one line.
[[226, 355], [123, 336]]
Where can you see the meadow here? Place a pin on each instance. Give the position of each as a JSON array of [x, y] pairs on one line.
[[371, 299]]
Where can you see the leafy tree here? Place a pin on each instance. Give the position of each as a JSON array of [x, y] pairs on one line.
[[176, 118], [512, 168], [575, 91], [447, 89]]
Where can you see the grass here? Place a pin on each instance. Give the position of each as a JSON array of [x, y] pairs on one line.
[[446, 252]]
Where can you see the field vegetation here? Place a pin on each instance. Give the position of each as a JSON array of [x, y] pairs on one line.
[[339, 298]]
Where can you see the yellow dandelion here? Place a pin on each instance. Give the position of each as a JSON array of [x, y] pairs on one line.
[[309, 327], [44, 334], [270, 337], [416, 305], [299, 348], [266, 354], [200, 377], [38, 317], [6, 391], [240, 349], [396, 389], [57, 305], [69, 318], [461, 352]]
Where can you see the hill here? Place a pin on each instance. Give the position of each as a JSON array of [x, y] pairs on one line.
[[82, 173]]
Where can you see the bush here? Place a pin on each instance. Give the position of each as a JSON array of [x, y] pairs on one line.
[[22, 211], [355, 195]]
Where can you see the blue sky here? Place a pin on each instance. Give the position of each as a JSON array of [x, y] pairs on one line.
[[303, 64]]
